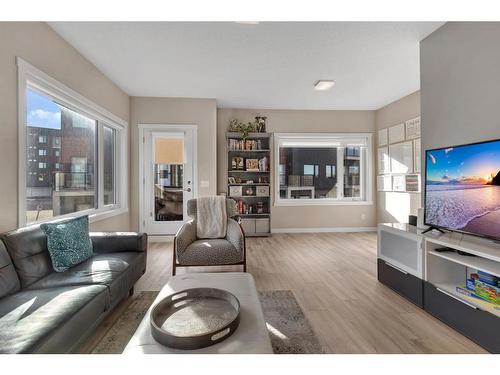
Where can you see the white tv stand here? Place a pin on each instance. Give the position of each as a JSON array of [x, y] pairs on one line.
[[442, 273]]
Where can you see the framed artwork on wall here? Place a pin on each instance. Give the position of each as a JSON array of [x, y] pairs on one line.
[[397, 133], [383, 138], [401, 156], [412, 183], [417, 155], [413, 128], [384, 165], [384, 183], [398, 183]]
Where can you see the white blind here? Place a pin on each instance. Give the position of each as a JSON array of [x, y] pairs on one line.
[[321, 140]]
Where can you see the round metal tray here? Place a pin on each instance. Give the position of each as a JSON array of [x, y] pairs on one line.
[[195, 318]]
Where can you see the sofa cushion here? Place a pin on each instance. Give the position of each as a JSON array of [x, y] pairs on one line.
[[50, 320], [210, 252], [68, 242], [27, 248], [9, 282], [115, 270]]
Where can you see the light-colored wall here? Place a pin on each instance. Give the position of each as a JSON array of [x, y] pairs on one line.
[[394, 206], [200, 112], [39, 45], [460, 80], [303, 121]]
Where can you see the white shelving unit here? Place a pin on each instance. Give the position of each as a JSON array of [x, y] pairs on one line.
[[409, 263], [449, 270]]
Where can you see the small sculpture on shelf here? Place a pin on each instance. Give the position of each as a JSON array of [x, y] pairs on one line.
[[260, 122]]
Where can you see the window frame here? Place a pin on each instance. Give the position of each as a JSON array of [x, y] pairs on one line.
[[31, 77], [322, 140]]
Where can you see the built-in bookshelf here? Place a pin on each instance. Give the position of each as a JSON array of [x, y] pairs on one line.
[[249, 180]]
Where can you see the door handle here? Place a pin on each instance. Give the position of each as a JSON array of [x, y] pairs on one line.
[[188, 190]]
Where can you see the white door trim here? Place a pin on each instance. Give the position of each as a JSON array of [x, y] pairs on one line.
[[170, 128]]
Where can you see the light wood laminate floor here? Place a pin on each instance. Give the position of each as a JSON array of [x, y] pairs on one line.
[[333, 277]]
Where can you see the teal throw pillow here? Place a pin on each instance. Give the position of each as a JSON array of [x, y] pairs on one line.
[[68, 242]]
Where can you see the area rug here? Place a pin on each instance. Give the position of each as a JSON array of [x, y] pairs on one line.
[[289, 329]]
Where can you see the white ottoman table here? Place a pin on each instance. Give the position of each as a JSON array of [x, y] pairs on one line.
[[251, 336]]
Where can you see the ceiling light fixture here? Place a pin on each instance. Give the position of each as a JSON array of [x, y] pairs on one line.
[[323, 85], [248, 22]]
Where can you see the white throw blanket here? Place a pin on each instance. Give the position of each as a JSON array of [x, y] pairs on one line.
[[211, 217]]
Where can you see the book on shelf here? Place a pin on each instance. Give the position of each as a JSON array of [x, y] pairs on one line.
[[244, 145], [252, 165], [263, 164]]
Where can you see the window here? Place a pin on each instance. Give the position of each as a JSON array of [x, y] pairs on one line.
[[85, 150], [109, 165], [330, 171], [323, 169]]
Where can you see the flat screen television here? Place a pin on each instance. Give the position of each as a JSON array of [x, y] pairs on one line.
[[462, 188]]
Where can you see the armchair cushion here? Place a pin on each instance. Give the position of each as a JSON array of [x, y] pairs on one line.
[[210, 252]]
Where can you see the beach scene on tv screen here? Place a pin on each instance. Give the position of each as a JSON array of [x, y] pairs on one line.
[[463, 188]]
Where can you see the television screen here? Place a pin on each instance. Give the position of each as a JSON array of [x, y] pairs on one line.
[[462, 188]]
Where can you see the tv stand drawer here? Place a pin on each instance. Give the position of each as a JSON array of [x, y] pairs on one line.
[[400, 281], [479, 326]]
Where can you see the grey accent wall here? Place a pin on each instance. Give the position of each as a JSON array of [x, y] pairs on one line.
[[460, 84]]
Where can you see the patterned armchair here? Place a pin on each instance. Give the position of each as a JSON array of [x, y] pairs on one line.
[[189, 251]]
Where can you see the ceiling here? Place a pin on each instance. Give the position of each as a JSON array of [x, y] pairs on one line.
[[264, 65]]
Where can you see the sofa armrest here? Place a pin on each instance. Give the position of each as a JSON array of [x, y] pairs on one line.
[[235, 234], [185, 236], [110, 242]]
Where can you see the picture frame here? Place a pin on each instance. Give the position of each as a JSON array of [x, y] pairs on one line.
[[384, 162], [412, 128], [231, 180], [417, 155], [397, 133], [384, 182], [237, 163], [235, 191], [383, 137], [252, 165], [412, 183], [399, 183], [401, 157], [262, 191]]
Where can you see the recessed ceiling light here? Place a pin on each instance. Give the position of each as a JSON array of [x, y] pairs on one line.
[[248, 22], [323, 85]]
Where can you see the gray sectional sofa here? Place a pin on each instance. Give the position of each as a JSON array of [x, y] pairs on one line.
[[42, 311]]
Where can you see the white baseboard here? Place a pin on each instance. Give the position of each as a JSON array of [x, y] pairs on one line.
[[159, 238], [324, 230]]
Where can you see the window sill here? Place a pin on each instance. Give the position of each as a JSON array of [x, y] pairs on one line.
[[106, 214], [320, 202], [94, 215]]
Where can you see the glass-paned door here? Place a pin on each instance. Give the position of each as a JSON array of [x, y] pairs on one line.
[[168, 180]]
